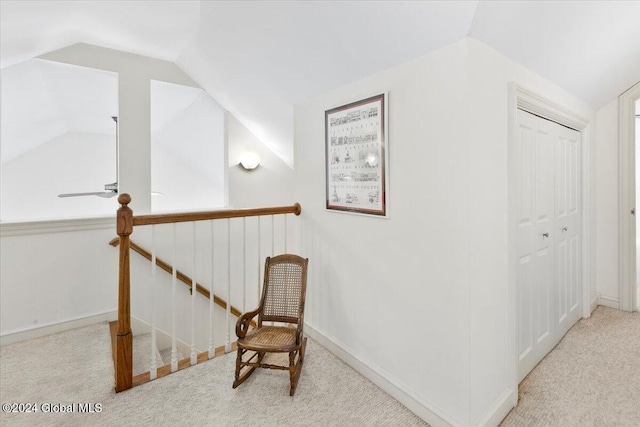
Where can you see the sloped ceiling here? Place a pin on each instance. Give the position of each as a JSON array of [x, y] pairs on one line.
[[42, 100], [589, 48], [159, 29], [258, 58]]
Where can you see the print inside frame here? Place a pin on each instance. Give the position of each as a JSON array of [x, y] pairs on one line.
[[356, 157]]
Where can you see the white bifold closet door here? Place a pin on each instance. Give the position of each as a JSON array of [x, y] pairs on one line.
[[548, 236]]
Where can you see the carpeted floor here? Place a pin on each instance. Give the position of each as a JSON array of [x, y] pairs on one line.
[[76, 367], [591, 378]]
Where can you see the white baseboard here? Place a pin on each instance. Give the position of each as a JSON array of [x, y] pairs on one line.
[[504, 404], [418, 406], [54, 328], [609, 302], [594, 303]]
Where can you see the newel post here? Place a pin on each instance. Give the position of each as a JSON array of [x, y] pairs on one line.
[[124, 339]]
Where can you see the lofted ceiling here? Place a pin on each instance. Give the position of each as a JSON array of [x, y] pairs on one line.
[[42, 100], [259, 58]]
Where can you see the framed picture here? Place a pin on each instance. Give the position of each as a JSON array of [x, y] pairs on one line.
[[357, 156]]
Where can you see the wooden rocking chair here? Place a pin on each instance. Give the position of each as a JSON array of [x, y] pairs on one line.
[[283, 294]]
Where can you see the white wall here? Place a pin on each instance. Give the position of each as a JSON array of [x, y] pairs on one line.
[[607, 209], [56, 277], [182, 187], [188, 149], [70, 163], [271, 184], [637, 148], [394, 292], [432, 280]]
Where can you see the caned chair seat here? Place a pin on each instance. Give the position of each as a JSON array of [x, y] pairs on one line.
[[282, 301], [270, 338]]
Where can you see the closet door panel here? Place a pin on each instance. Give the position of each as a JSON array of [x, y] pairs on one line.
[[525, 266], [548, 273], [544, 172]]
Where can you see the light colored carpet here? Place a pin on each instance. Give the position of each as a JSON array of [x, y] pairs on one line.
[[591, 378], [76, 366]]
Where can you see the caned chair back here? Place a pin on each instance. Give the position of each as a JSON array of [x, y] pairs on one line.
[[285, 284]]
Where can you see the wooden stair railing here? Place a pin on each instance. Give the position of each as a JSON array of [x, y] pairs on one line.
[[124, 225], [180, 276]]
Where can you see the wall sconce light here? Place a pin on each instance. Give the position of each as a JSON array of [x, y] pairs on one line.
[[249, 161]]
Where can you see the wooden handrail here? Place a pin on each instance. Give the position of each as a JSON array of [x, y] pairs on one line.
[[209, 215], [180, 276]]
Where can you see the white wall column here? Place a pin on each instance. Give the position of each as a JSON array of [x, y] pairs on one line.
[[134, 111]]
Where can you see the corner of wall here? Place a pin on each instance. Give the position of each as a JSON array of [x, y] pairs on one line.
[[269, 184]]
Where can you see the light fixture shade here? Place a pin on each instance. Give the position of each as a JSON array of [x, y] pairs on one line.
[[249, 160]]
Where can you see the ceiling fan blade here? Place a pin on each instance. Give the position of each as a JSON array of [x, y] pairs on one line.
[[105, 194]]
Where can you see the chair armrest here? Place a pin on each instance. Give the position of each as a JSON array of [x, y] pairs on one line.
[[242, 325]]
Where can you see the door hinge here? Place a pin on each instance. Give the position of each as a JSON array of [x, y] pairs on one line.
[[633, 211]]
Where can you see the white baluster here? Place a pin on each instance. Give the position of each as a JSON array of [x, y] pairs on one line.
[[259, 258], [273, 235], [273, 241], [153, 365], [227, 344], [212, 350], [194, 293], [244, 264], [174, 283], [285, 233]]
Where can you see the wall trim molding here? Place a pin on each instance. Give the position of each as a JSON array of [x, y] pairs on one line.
[[609, 302], [55, 327], [627, 196], [56, 226], [504, 404], [376, 375], [544, 107], [595, 302]]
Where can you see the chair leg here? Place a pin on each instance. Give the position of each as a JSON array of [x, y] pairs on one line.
[[239, 364], [236, 382], [292, 372], [296, 368]]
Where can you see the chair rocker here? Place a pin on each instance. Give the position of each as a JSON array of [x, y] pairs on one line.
[[282, 300]]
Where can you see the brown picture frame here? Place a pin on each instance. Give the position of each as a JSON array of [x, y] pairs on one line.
[[356, 157]]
